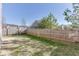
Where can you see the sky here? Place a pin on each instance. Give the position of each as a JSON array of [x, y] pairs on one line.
[[13, 13]]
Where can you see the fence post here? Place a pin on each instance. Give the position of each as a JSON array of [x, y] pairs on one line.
[[66, 34], [76, 36], [0, 25], [50, 33], [38, 32], [17, 30]]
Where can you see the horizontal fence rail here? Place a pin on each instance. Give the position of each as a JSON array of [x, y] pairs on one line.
[[66, 35]]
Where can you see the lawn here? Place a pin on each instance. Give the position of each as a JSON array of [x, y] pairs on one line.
[[28, 45]]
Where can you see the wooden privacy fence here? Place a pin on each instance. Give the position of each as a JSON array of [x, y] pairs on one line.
[[66, 35]]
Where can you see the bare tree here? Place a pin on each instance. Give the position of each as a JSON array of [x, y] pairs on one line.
[[3, 20], [23, 25], [23, 22]]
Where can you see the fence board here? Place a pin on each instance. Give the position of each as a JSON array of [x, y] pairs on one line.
[[66, 35]]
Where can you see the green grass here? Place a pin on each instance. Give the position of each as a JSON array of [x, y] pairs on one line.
[[46, 40], [69, 49]]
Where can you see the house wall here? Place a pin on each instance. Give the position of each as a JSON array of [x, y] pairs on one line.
[[10, 29]]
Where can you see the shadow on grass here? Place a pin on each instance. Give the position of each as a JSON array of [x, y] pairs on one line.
[[44, 40]]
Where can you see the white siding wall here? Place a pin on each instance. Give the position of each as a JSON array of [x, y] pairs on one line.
[[12, 29]]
